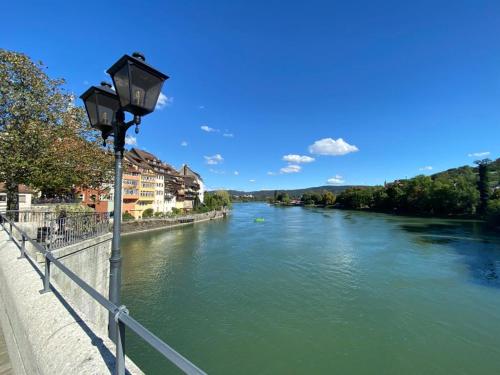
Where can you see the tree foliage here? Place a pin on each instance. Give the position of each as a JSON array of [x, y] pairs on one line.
[[483, 184], [442, 194], [324, 198], [45, 141], [216, 200]]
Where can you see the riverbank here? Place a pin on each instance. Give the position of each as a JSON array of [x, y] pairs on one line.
[[153, 224]]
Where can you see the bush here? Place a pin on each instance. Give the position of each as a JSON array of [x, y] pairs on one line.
[[148, 213], [202, 210], [158, 214], [127, 216], [176, 211]]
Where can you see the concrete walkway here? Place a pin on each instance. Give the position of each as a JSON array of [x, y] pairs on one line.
[[5, 367], [49, 336]]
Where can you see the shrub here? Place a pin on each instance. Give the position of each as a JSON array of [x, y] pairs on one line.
[[127, 216], [158, 214], [176, 211], [147, 213], [202, 209]]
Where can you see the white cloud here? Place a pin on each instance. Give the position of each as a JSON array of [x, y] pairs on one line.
[[208, 129], [217, 171], [426, 168], [271, 173], [292, 168], [330, 146], [201, 107], [251, 180], [479, 154], [214, 160], [131, 140], [164, 101], [184, 143], [236, 173], [228, 135], [337, 180], [298, 159]]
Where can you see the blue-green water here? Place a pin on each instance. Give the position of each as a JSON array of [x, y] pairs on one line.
[[313, 291]]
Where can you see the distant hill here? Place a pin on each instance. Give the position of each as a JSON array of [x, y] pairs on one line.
[[494, 169], [264, 194]]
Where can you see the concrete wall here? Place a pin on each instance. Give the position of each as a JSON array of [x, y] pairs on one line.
[[46, 333], [134, 226], [90, 261]]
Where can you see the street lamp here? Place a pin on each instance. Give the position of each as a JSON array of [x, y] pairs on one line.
[[138, 86]]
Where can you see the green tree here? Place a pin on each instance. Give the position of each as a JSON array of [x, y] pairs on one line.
[[483, 184], [328, 198], [45, 141], [217, 200]]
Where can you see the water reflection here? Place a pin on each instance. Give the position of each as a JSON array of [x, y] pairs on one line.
[[478, 247]]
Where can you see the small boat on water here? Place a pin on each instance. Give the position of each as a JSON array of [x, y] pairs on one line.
[[259, 220]]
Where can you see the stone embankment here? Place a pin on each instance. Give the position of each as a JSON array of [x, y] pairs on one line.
[[143, 225]]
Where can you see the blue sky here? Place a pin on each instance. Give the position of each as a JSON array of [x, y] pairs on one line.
[[405, 86]]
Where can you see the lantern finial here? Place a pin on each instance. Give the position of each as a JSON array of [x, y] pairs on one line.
[[139, 55]]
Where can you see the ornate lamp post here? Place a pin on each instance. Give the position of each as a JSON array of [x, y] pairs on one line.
[[138, 86]]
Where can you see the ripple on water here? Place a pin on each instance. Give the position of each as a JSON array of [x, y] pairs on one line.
[[308, 291]]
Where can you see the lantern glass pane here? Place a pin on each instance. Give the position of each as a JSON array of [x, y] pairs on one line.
[[106, 109], [91, 106], [145, 88], [121, 80]]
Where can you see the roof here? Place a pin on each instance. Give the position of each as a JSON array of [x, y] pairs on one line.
[[23, 189], [143, 154], [186, 171]]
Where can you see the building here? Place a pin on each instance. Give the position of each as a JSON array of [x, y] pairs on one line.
[[173, 188], [101, 200], [25, 196], [194, 186], [149, 183], [130, 186]]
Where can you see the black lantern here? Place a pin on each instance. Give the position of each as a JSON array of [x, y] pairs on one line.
[[137, 84], [101, 103]]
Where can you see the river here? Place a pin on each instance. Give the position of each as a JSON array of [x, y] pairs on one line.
[[313, 291]]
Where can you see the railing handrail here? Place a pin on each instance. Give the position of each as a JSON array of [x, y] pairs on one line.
[[60, 229], [120, 312]]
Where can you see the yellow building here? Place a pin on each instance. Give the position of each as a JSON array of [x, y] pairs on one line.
[[147, 189], [131, 184]]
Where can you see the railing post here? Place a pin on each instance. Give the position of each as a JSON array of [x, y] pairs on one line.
[[120, 342], [23, 246], [46, 278], [48, 236], [10, 232]]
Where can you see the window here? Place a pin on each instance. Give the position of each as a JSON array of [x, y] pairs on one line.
[[22, 198], [3, 198]]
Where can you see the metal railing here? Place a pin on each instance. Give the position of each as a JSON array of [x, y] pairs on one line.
[[121, 314], [56, 230]]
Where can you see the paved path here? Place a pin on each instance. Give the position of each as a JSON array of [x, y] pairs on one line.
[[5, 368]]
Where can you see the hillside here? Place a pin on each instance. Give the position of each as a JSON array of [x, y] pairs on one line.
[[447, 174], [264, 194]]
